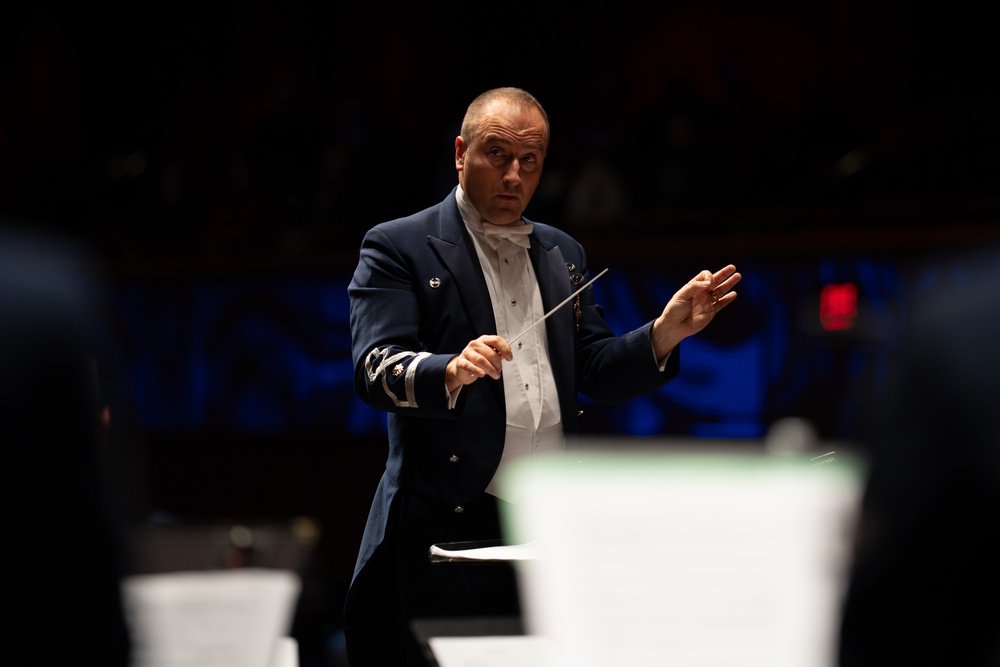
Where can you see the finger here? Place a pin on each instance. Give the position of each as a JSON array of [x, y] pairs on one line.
[[724, 301], [698, 285], [498, 345], [724, 274], [465, 371], [724, 285], [704, 276], [468, 372], [503, 349], [732, 280], [495, 349], [468, 366], [485, 363]]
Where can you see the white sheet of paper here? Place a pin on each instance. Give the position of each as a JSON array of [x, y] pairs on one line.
[[506, 651], [285, 653], [218, 618], [666, 559]]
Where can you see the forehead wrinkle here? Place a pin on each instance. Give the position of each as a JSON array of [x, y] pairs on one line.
[[494, 137]]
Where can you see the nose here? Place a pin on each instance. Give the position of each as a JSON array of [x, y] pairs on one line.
[[512, 175]]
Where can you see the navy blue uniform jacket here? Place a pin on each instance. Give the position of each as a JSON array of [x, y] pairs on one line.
[[418, 296]]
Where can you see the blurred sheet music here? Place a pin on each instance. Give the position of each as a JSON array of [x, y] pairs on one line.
[[218, 618], [504, 651], [715, 560], [285, 653]]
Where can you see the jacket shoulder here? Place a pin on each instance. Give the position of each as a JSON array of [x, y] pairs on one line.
[[549, 237], [430, 219]]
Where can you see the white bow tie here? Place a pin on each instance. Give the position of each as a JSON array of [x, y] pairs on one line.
[[514, 232]]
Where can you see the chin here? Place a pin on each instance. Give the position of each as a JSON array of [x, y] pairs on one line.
[[505, 216]]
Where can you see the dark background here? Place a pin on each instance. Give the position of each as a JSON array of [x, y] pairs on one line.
[[222, 162]]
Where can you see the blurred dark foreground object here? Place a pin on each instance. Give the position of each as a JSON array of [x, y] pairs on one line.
[[925, 582], [62, 598]]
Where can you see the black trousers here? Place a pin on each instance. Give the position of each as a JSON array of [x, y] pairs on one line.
[[400, 584]]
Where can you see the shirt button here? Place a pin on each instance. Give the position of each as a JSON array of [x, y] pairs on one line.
[[459, 509], [453, 458], [526, 386], [513, 302], [519, 344]]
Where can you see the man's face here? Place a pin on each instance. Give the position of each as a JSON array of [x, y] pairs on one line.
[[500, 168]]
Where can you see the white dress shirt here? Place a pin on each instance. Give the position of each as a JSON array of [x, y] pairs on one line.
[[534, 424]]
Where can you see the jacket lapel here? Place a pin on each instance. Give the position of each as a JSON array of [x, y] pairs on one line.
[[455, 248], [457, 252]]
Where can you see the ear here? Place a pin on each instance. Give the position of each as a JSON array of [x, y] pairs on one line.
[[460, 149]]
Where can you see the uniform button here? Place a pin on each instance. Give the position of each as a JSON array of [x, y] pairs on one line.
[[453, 458], [459, 509]]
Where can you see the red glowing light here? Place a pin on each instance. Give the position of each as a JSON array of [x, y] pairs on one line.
[[838, 306]]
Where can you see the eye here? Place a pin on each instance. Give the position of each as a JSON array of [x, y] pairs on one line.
[[496, 151], [529, 162]]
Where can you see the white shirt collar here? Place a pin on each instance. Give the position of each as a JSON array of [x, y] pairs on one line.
[[470, 216]]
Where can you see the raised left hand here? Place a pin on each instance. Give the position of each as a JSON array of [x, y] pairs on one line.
[[693, 306]]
